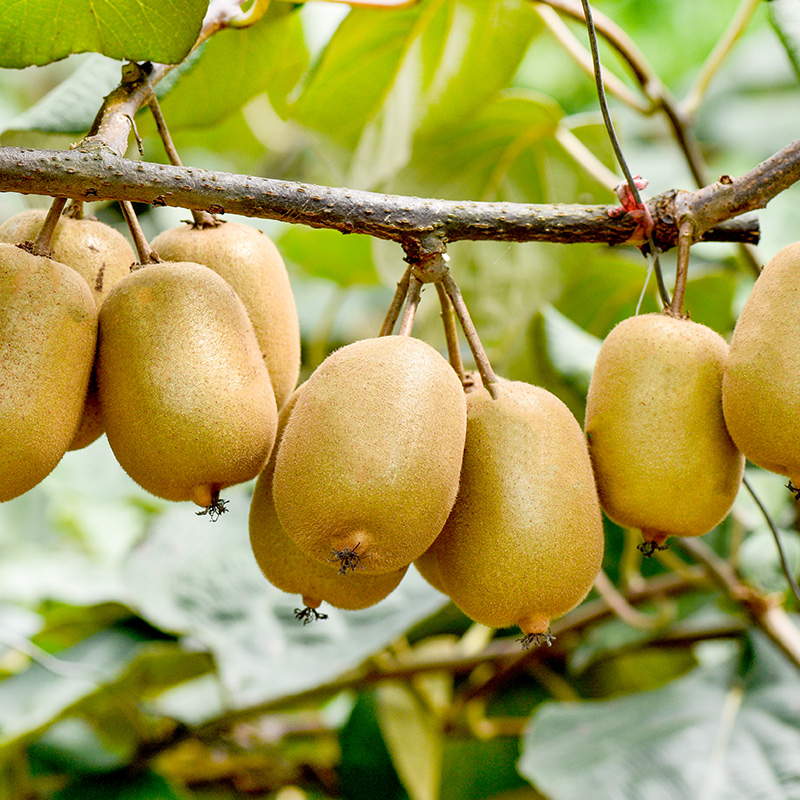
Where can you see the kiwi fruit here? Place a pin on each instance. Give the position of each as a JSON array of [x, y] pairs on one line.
[[184, 392], [663, 458], [760, 391], [249, 261], [48, 329], [97, 252], [289, 569], [524, 541], [367, 468]]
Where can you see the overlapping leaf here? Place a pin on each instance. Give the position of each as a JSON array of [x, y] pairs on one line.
[[711, 734], [36, 32]]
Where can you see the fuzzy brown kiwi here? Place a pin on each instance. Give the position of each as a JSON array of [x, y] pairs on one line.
[[97, 252], [48, 327], [661, 451], [249, 261], [289, 569], [760, 390], [524, 541], [185, 395], [367, 468]]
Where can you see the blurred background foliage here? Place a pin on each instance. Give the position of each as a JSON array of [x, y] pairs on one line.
[[142, 655]]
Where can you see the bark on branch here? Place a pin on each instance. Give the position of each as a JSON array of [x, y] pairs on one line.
[[97, 173]]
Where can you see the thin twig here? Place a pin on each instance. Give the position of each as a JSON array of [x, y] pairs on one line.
[[612, 135], [769, 617], [487, 374], [146, 253], [787, 569], [622, 608], [450, 332], [581, 56], [397, 303], [42, 244], [412, 301], [202, 219], [741, 19], [645, 76]]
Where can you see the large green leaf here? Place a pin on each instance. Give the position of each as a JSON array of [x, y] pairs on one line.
[[70, 108], [497, 154], [237, 64], [36, 32], [346, 260], [32, 700], [712, 734], [213, 83], [200, 579], [386, 74]]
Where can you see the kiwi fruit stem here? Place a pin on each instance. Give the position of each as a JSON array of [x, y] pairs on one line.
[[487, 374], [146, 253], [202, 219], [451, 333], [41, 245], [412, 303], [685, 241], [397, 303]]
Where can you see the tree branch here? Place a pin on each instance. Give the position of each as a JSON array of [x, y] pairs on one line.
[[100, 174]]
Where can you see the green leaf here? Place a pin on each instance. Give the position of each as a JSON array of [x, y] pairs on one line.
[[238, 64], [413, 737], [213, 83], [32, 700], [386, 74], [366, 768], [36, 32], [346, 260], [785, 18], [710, 734], [200, 579], [496, 154]]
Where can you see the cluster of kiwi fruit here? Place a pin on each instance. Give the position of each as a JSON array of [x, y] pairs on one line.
[[383, 457], [383, 460], [673, 410], [182, 363]]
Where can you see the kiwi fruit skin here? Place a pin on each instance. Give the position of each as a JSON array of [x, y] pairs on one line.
[[48, 329], [760, 390], [249, 261], [370, 458], [524, 541], [289, 569], [97, 252], [185, 395], [662, 455]]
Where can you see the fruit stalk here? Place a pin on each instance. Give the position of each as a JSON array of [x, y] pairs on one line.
[[487, 374], [451, 333], [146, 253], [41, 245], [685, 241], [202, 219], [397, 303], [412, 302]]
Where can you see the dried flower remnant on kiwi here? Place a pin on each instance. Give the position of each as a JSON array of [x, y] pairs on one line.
[[348, 559], [536, 639], [308, 614], [207, 497], [648, 549]]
